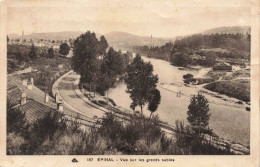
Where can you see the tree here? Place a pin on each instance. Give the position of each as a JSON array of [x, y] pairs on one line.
[[140, 81], [103, 45], [114, 61], [211, 59], [53, 41], [21, 57], [154, 101], [64, 49], [198, 112], [128, 56], [103, 83], [45, 80], [51, 53], [106, 77], [84, 60], [180, 59], [7, 39], [32, 53], [187, 76]]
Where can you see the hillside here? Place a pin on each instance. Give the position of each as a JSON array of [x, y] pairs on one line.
[[228, 30], [223, 42], [126, 40], [65, 35], [117, 39]]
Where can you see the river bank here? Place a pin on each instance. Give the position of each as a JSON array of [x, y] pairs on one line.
[[230, 121]]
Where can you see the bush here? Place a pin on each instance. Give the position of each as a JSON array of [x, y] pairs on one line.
[[51, 53], [130, 137], [102, 102], [44, 129], [191, 143], [112, 101], [187, 76], [16, 122], [64, 49], [14, 144], [51, 136]]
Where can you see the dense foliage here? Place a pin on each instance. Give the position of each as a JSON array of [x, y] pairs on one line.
[[51, 135], [64, 49], [239, 89], [198, 112], [97, 67], [51, 53], [158, 52], [233, 46], [32, 54], [141, 82], [22, 56]]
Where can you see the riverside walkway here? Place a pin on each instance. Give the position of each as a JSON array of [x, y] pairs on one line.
[[67, 91]]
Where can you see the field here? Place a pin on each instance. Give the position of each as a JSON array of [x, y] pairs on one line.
[[239, 89]]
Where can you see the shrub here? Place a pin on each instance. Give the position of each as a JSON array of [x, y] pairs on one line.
[[14, 144], [16, 122], [51, 53], [44, 129], [64, 49], [191, 143], [187, 76], [112, 101], [102, 102]]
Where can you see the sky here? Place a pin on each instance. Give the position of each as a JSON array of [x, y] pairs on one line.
[[159, 18]]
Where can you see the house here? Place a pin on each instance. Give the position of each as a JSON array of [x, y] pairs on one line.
[[197, 57], [34, 110], [222, 66]]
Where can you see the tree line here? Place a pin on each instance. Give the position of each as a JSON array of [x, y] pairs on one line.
[[98, 64], [24, 53], [234, 46]]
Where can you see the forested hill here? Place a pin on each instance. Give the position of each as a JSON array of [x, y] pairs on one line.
[[228, 42], [228, 45], [228, 30]]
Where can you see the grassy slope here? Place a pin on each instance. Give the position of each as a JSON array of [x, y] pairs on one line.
[[239, 89]]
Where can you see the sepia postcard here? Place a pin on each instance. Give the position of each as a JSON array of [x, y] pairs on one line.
[[129, 83]]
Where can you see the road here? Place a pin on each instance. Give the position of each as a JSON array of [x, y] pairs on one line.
[[68, 94]]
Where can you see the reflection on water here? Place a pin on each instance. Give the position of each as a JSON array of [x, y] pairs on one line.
[[227, 121]]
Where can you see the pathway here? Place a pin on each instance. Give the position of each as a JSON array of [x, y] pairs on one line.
[[68, 94]]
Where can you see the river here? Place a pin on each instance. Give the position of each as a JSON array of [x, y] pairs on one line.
[[228, 120]]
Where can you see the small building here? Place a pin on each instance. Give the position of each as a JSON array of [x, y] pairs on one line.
[[222, 66], [197, 57], [34, 110]]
